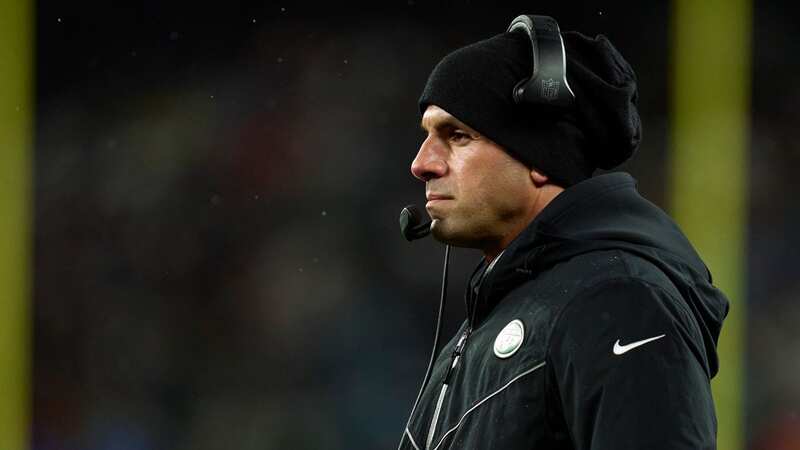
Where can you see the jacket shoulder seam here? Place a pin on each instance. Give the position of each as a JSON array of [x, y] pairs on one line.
[[625, 265]]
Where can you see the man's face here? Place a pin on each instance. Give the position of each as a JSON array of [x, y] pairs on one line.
[[476, 192]]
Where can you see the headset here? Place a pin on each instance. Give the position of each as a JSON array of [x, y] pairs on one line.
[[547, 86]]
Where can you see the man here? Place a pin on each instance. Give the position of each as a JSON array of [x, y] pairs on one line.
[[591, 321]]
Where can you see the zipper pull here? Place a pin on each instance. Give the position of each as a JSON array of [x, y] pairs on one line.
[[457, 352], [462, 342]]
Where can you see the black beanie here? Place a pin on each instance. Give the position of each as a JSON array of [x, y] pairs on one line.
[[474, 84]]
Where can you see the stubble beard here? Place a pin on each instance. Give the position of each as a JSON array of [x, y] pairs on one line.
[[449, 231]]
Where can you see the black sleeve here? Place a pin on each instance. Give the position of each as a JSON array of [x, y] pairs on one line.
[[629, 365]]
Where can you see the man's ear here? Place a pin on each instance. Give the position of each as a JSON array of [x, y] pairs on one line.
[[539, 179]]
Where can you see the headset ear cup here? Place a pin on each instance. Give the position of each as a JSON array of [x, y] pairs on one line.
[[547, 85]]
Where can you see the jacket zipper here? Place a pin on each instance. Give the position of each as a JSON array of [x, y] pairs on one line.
[[454, 359], [458, 351]]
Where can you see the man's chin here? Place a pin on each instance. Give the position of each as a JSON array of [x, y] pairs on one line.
[[444, 232], [437, 230]]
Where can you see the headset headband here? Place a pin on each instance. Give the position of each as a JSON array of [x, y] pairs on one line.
[[547, 85]]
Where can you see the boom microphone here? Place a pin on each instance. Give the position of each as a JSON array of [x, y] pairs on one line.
[[411, 224], [413, 227]]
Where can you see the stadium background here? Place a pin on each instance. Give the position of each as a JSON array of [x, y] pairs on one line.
[[199, 212]]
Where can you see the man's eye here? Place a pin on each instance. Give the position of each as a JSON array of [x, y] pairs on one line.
[[458, 136]]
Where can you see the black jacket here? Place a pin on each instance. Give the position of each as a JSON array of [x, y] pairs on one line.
[[596, 328]]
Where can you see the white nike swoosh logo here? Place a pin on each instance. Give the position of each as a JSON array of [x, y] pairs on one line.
[[620, 349]]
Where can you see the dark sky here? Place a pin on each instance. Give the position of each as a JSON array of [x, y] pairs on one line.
[[103, 46]]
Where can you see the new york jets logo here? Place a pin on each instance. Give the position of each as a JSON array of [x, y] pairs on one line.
[[509, 340]]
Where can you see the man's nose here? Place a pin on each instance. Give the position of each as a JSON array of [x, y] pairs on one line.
[[429, 162]]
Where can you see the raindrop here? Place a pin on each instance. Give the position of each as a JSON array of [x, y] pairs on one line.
[[280, 59], [345, 61], [283, 9], [254, 20], [600, 13], [300, 269], [59, 20], [324, 213]]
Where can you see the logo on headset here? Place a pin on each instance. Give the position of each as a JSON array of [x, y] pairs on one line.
[[549, 89]]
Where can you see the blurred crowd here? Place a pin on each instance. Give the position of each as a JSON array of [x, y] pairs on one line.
[[217, 257]]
